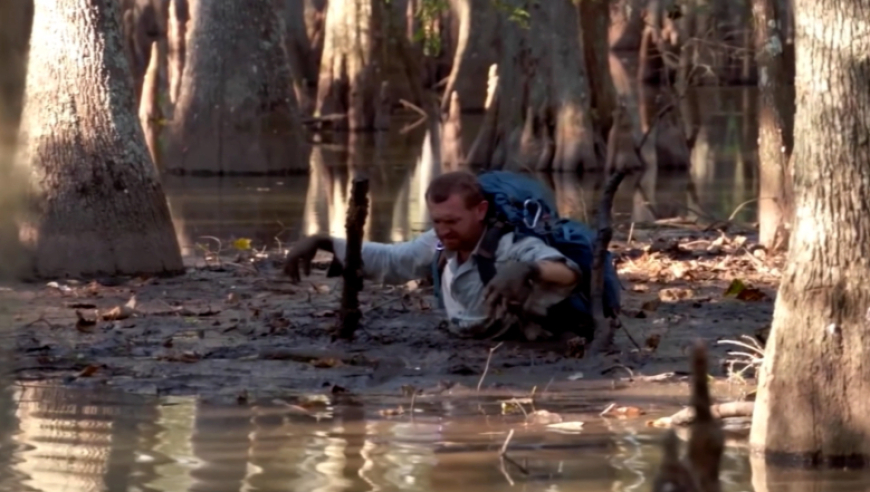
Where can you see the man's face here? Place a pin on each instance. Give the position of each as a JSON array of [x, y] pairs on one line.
[[458, 227]]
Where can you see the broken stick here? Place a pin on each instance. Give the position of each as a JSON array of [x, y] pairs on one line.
[[604, 331], [357, 210], [699, 470]]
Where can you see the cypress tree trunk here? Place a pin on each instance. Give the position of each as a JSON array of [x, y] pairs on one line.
[[96, 203], [812, 401]]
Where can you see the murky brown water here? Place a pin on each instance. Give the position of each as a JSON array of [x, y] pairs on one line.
[[723, 179], [53, 439]]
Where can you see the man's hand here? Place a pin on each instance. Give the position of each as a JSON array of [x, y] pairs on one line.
[[302, 253], [511, 288]]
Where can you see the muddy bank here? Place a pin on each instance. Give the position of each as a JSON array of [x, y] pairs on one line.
[[233, 325]]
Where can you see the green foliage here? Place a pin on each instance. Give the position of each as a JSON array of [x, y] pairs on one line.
[[428, 15], [515, 14]]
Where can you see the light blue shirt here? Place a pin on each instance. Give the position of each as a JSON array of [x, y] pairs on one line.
[[462, 288]]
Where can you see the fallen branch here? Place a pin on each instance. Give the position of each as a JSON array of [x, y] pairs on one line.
[[686, 416], [357, 210]]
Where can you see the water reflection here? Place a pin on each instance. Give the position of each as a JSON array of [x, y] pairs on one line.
[[74, 441], [720, 123]]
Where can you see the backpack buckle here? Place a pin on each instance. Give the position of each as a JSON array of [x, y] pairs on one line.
[[527, 213]]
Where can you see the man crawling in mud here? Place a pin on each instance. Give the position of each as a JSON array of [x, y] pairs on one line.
[[529, 277]]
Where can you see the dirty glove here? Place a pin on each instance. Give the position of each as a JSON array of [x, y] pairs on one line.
[[303, 252], [510, 289]]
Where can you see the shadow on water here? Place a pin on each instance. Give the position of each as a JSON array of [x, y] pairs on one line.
[[722, 179], [58, 439]]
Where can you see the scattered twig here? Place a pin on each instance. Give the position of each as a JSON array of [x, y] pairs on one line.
[[414, 107], [486, 367], [502, 454]]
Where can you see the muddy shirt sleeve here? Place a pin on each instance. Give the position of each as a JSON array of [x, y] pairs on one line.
[[534, 249], [394, 263]]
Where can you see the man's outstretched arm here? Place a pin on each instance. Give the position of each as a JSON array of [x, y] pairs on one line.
[[385, 263]]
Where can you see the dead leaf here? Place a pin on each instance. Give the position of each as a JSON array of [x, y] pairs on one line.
[[84, 325], [652, 342], [543, 417], [624, 412], [734, 288], [121, 312], [676, 294], [242, 397], [326, 362], [329, 313], [88, 371], [571, 427], [751, 295], [651, 305], [391, 412]]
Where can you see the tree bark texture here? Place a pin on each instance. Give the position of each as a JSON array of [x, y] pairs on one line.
[[363, 47], [775, 122], [812, 401], [176, 33], [97, 207], [236, 112], [594, 26], [540, 114], [476, 50], [304, 47]]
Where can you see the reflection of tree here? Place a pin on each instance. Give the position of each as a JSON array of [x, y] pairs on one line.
[[77, 445], [410, 212], [220, 443]]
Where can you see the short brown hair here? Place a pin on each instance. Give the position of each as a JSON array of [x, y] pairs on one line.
[[462, 183]]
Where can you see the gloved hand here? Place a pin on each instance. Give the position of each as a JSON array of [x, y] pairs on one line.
[[303, 252], [510, 289]]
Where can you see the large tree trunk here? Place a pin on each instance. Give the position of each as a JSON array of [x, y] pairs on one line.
[[176, 33], [475, 52], [594, 26], [236, 113], [364, 48], [540, 117], [16, 18], [98, 207], [304, 44], [812, 399], [775, 139]]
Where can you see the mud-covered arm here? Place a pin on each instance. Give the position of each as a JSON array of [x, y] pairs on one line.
[[558, 275], [394, 263]]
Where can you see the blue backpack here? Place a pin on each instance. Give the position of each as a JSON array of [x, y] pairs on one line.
[[523, 205]]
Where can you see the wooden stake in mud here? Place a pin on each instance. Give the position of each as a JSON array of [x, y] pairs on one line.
[[357, 210], [604, 331]]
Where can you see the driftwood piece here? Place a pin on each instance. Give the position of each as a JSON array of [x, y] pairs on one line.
[[604, 330], [686, 416], [698, 471], [357, 211]]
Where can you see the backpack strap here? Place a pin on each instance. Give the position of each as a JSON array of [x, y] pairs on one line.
[[438, 264], [485, 256]]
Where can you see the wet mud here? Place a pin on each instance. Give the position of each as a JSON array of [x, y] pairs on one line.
[[234, 327]]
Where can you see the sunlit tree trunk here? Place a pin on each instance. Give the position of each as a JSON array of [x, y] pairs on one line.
[[97, 206], [363, 49], [475, 52], [540, 117], [236, 111], [812, 399], [775, 122]]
